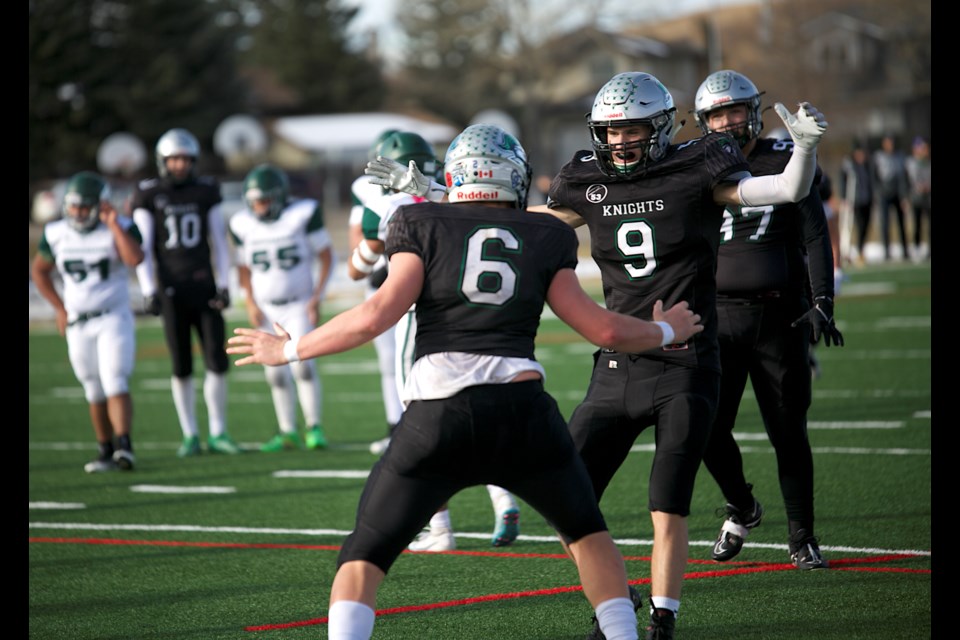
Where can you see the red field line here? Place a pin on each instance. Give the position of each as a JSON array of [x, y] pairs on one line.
[[729, 569]]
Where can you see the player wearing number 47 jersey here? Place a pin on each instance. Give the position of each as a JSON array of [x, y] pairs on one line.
[[770, 256], [183, 278], [478, 413]]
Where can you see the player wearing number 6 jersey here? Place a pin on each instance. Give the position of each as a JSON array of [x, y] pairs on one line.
[[478, 413], [184, 279], [280, 241]]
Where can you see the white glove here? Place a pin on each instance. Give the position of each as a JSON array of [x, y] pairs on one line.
[[806, 127], [393, 175]]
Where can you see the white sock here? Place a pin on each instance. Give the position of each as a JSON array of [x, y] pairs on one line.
[[309, 392], [617, 619], [441, 520], [661, 602], [284, 397], [215, 395], [185, 402], [350, 621], [501, 498]]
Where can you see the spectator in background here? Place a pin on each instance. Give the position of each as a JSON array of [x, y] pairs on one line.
[[93, 248], [890, 171], [918, 174], [856, 192]]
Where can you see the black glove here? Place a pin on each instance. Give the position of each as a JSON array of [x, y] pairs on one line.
[[151, 305], [378, 277], [221, 300], [820, 318]]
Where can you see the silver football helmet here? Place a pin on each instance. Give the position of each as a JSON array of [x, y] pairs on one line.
[[484, 163], [176, 142], [631, 98], [724, 88]]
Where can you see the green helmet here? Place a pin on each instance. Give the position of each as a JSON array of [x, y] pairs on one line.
[[404, 146], [85, 190], [267, 182], [372, 152]]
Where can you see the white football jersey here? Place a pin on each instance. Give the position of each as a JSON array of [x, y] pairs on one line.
[[281, 253], [94, 277]]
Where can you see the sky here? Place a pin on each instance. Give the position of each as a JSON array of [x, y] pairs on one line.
[[379, 15]]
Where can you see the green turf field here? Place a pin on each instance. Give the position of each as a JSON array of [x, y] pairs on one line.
[[217, 547]]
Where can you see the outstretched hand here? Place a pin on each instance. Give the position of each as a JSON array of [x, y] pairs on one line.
[[260, 347], [806, 126], [684, 322], [393, 175]]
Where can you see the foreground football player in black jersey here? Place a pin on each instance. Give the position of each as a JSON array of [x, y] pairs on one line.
[[477, 412], [654, 212], [178, 214], [762, 283]]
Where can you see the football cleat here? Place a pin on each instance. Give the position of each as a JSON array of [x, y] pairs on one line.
[[223, 444], [189, 447], [597, 634], [282, 442], [736, 527], [661, 625], [805, 552], [100, 466], [315, 438], [124, 459], [508, 528], [429, 540]]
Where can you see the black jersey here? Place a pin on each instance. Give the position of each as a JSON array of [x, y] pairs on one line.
[[181, 228], [655, 236], [762, 249], [487, 271]]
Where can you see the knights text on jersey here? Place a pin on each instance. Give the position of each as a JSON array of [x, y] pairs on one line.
[[180, 227], [280, 253], [487, 272], [762, 248], [655, 236]]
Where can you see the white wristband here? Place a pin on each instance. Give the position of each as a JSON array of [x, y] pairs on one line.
[[359, 264], [437, 192], [290, 350], [367, 253], [667, 330]]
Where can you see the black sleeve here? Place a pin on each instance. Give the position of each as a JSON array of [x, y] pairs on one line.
[[816, 240]]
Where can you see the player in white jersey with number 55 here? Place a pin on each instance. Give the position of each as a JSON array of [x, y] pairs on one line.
[[278, 242]]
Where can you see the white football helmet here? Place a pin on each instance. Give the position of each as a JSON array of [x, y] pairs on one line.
[[724, 88], [484, 163], [631, 98], [176, 142]]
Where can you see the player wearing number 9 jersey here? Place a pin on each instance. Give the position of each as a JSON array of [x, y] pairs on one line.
[[654, 210]]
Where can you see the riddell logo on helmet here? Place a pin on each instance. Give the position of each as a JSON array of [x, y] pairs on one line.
[[476, 195]]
